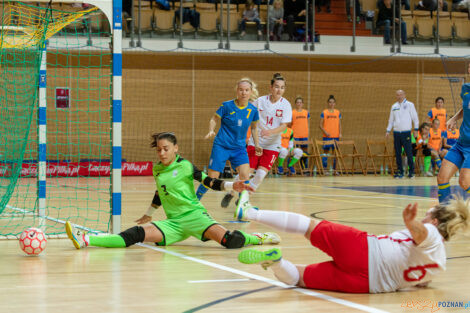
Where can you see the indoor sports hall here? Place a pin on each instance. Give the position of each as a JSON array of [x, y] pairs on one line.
[[85, 86]]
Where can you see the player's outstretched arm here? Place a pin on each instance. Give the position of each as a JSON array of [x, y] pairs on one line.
[[219, 184], [147, 217], [417, 229]]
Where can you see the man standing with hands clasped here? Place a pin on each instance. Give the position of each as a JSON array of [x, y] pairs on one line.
[[402, 115]]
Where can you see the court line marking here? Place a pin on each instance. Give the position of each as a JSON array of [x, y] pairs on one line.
[[238, 295], [217, 280], [346, 188], [307, 292], [358, 196]]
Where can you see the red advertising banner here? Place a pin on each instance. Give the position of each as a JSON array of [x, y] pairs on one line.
[[74, 169]]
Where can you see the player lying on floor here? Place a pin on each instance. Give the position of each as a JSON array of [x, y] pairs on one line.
[[186, 216], [362, 263]]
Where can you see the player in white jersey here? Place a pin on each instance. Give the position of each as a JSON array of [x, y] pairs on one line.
[[362, 263], [275, 112]]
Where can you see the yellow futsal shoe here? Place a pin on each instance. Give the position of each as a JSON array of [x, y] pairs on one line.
[[76, 235], [268, 238]]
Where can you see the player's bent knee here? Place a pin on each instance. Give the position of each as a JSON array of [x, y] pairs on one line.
[[464, 183], [133, 235], [233, 240]]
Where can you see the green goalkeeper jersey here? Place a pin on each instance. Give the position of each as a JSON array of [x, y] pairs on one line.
[[175, 186]]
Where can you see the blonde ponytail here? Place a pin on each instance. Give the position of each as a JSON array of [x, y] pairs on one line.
[[453, 218]]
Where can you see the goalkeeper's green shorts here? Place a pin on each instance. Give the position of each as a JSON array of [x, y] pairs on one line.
[[193, 224]]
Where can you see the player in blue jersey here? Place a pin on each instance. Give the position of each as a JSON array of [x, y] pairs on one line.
[[236, 117], [458, 157]]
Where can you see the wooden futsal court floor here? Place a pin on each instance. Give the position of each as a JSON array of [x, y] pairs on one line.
[[193, 276]]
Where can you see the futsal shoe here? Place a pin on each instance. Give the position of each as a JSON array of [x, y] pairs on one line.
[[268, 238], [280, 170], [265, 258], [292, 170], [76, 235], [428, 174], [243, 206], [226, 200]]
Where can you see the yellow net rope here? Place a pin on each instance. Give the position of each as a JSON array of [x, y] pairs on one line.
[[24, 25]]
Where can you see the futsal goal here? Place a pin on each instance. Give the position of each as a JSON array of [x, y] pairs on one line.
[[60, 115]]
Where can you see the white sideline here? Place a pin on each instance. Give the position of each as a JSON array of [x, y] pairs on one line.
[[266, 280]]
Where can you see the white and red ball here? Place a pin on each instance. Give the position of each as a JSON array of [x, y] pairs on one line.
[[33, 241]]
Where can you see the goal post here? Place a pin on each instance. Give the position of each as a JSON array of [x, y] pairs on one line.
[[67, 56]]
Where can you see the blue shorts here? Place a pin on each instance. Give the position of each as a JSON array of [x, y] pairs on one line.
[[302, 139], [328, 147], [459, 155], [220, 155]]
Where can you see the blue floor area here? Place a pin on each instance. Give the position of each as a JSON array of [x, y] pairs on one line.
[[418, 191]]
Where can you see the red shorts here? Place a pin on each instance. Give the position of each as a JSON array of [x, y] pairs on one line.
[[265, 160], [349, 269]]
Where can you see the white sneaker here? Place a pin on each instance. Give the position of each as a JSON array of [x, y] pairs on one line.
[[268, 238], [242, 206], [428, 174], [76, 235], [243, 34]]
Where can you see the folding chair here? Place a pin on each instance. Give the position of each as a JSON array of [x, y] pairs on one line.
[[330, 155], [342, 148], [313, 158], [383, 153]]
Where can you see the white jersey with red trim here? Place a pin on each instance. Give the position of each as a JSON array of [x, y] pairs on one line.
[[271, 116], [396, 262]]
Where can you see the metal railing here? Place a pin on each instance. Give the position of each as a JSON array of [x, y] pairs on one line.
[[310, 27]]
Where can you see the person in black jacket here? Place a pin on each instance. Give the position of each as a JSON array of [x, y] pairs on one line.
[[385, 17], [294, 11]]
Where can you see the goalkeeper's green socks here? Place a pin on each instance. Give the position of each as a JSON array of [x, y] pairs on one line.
[[107, 241]]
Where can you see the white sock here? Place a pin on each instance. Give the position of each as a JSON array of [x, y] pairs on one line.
[[286, 272], [258, 179], [232, 192], [285, 221]]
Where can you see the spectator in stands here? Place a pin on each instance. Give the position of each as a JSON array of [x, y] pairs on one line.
[[349, 4], [439, 112], [276, 20], [327, 3], [385, 18], [250, 15], [402, 116], [431, 5], [294, 11], [461, 5]]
